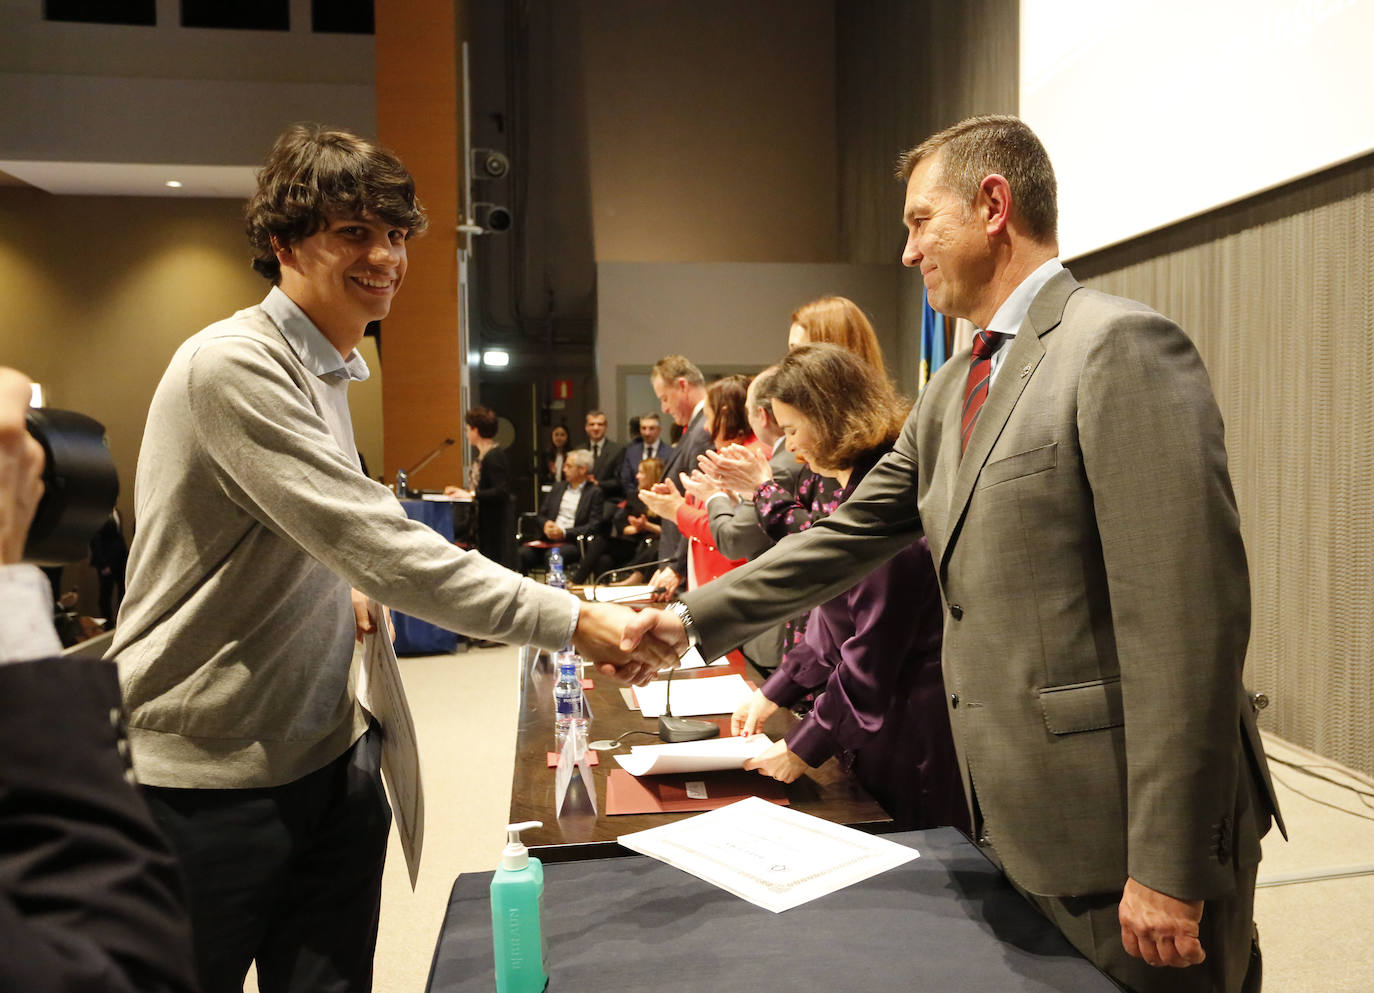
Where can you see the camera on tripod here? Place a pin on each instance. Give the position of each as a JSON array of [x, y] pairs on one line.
[[80, 485]]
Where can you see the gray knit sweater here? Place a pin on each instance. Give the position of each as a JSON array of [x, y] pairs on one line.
[[235, 640]]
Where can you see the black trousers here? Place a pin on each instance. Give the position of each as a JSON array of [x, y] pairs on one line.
[[287, 876]]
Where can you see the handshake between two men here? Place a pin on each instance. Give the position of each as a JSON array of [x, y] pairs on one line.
[[629, 646]]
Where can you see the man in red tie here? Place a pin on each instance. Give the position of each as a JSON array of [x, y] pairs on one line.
[[1073, 486]]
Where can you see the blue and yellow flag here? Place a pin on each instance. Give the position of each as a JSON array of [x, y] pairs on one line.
[[932, 342]]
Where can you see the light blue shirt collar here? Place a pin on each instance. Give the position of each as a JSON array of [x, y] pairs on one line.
[[1014, 309], [311, 347]]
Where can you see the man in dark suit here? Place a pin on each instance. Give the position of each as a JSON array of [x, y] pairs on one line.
[[681, 391], [1074, 490], [573, 507], [90, 898], [651, 445], [607, 456]]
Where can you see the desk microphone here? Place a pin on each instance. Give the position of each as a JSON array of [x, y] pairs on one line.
[[673, 729], [403, 475]]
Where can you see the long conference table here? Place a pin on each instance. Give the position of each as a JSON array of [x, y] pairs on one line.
[[581, 833], [615, 921]]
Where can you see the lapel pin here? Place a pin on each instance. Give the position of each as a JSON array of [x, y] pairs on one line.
[[1025, 370]]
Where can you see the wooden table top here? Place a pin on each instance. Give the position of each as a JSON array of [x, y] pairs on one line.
[[827, 792]]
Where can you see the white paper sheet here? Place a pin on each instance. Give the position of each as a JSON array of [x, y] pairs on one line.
[[774, 857], [693, 697], [693, 660], [692, 756], [383, 695]]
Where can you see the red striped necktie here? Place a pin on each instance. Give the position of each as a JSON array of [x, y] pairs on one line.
[[985, 343]]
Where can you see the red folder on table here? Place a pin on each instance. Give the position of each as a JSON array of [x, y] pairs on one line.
[[683, 792]]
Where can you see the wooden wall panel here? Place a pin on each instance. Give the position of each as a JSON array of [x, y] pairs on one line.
[[419, 116]]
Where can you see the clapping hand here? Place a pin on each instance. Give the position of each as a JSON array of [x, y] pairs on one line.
[[701, 487], [737, 468], [663, 499]]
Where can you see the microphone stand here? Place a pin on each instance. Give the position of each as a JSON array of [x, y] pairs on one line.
[[673, 729], [403, 475], [641, 567]]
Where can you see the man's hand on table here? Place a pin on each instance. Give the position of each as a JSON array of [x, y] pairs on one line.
[[602, 637], [1159, 928]]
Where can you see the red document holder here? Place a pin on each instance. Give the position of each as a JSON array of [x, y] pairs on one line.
[[668, 794]]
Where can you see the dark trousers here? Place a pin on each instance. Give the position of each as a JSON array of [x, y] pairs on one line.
[[1227, 933], [287, 876]]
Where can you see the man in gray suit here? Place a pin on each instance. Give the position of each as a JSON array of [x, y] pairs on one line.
[[1090, 558]]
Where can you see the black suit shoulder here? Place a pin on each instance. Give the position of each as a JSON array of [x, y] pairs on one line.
[[88, 888]]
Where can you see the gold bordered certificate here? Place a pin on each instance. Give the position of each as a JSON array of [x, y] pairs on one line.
[[774, 857]]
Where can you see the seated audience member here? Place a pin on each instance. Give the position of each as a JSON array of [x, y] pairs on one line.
[[727, 421], [90, 896], [489, 485], [551, 465], [872, 654], [633, 539], [573, 507], [651, 445], [607, 455], [681, 391]]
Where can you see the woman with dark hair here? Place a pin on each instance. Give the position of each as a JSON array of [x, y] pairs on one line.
[[552, 462], [489, 485], [727, 419], [872, 654]]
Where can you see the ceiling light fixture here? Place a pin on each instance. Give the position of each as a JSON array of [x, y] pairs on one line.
[[174, 184], [496, 359]]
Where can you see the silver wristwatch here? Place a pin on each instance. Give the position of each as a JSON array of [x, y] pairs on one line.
[[688, 625]]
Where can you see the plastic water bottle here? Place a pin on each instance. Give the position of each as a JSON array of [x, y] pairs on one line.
[[569, 710], [556, 578]]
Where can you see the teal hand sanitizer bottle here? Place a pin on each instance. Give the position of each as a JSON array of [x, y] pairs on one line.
[[517, 896]]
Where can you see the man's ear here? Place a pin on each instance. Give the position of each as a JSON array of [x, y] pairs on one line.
[[994, 203], [281, 249]]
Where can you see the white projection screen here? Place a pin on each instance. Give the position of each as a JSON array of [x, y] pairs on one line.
[[1157, 110]]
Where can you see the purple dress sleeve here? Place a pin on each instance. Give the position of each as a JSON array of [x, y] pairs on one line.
[[868, 644]]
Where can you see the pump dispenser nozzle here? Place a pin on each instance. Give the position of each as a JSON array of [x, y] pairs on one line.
[[515, 855]]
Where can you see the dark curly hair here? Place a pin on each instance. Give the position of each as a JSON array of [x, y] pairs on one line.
[[484, 420], [314, 173], [853, 407]]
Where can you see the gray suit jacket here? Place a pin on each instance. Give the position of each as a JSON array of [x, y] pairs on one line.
[[1097, 601], [735, 527]]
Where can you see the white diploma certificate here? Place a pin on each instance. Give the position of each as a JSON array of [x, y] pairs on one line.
[[712, 695], [775, 857], [383, 695], [710, 755]]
